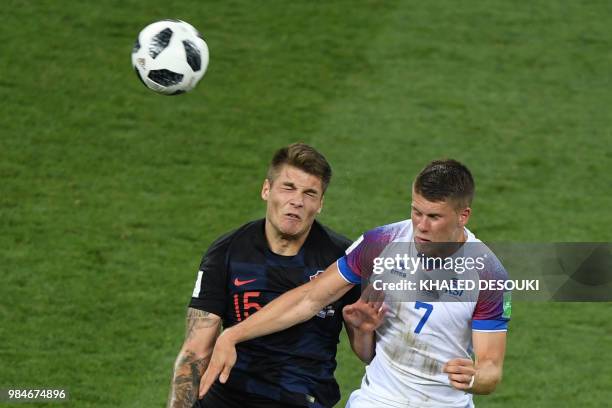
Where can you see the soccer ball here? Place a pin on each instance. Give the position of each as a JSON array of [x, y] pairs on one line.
[[170, 57]]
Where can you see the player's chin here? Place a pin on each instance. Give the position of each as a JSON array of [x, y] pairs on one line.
[[294, 227], [292, 230], [425, 247]]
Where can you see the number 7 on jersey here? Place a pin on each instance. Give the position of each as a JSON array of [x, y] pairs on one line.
[[428, 308]]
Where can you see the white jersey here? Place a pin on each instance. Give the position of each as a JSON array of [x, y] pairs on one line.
[[418, 337]]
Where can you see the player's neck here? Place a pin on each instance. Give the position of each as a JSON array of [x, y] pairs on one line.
[[457, 243], [284, 245]]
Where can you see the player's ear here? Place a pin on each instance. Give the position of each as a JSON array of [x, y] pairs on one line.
[[265, 190], [321, 206], [464, 216]]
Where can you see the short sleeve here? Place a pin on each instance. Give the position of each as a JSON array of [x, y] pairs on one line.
[[349, 265], [210, 290], [493, 308], [357, 263]]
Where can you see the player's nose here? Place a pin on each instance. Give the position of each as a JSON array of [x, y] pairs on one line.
[[297, 201], [422, 225]]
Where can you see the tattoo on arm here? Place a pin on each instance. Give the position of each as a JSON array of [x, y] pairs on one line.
[[189, 366], [186, 382], [198, 319]]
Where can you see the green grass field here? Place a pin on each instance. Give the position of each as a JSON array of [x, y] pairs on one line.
[[110, 193]]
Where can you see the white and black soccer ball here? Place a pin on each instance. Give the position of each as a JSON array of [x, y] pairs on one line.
[[170, 57]]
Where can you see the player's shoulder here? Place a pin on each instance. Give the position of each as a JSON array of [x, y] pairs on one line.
[[248, 231], [378, 238], [477, 249], [394, 232], [332, 237]]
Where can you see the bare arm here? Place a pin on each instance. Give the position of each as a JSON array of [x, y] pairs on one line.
[[293, 307], [192, 360], [361, 320], [362, 342], [489, 350]]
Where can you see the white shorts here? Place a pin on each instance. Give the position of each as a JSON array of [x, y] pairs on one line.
[[364, 398], [361, 399], [367, 397]]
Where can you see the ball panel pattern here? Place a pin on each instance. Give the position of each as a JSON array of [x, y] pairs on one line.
[[159, 42], [193, 55], [165, 77]]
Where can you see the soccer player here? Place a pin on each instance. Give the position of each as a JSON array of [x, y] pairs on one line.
[[247, 268], [427, 354]]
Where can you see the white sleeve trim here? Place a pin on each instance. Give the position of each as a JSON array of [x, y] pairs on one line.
[[341, 274], [490, 331]]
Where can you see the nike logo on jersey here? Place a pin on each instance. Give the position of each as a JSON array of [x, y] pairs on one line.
[[244, 282]]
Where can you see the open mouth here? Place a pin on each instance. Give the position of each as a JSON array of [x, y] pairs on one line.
[[293, 216]]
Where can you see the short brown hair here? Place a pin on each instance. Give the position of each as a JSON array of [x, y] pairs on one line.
[[446, 179], [305, 158]]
